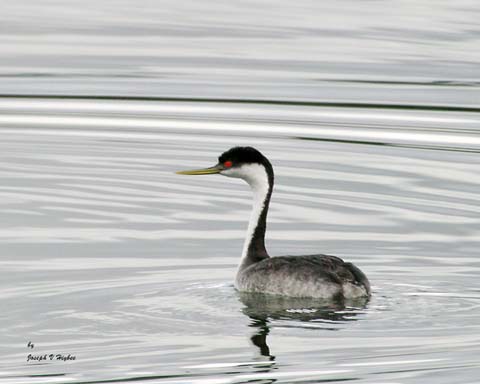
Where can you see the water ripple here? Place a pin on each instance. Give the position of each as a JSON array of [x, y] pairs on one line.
[[109, 255]]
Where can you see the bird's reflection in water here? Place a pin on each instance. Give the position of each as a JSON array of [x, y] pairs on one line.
[[263, 308]]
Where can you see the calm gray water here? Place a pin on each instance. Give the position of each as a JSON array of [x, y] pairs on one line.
[[370, 116]]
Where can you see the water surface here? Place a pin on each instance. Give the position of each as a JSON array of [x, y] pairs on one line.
[[369, 113], [378, 51], [109, 256]]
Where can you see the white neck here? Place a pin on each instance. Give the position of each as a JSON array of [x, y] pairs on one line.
[[260, 190], [256, 176]]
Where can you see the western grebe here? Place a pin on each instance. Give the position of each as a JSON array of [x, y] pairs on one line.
[[317, 276]]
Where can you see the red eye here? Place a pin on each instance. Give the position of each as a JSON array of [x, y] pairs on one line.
[[227, 164]]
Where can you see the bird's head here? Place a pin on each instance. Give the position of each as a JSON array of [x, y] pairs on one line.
[[246, 163]]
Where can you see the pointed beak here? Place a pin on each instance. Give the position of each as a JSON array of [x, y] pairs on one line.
[[205, 171]]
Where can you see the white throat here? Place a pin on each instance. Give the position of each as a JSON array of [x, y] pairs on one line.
[[256, 176]]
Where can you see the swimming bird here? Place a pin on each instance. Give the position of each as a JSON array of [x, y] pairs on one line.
[[316, 276]]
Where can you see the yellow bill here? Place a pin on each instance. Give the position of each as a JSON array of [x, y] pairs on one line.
[[204, 171]]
